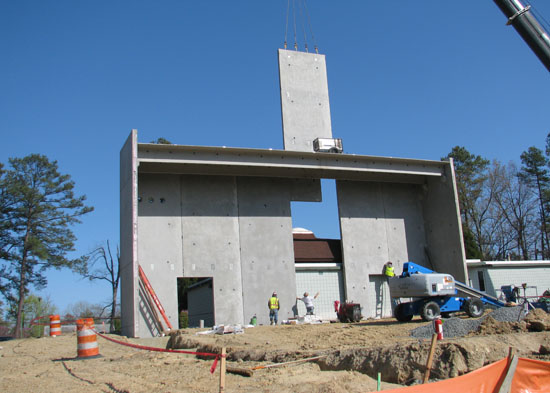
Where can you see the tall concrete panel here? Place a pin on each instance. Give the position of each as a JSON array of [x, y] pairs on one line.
[[443, 226], [304, 99], [267, 252], [128, 234], [211, 245], [379, 222], [159, 246]]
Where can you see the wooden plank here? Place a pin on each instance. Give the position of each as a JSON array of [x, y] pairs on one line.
[[430, 359], [222, 372]]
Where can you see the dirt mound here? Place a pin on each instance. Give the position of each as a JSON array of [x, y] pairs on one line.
[[406, 364], [239, 348], [292, 342], [492, 326], [538, 320]]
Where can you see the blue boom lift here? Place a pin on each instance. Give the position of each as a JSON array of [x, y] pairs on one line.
[[435, 294]]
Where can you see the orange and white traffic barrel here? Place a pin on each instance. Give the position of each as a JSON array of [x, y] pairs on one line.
[[86, 338], [55, 325]]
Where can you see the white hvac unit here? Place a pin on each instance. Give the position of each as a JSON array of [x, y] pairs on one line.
[[328, 145]]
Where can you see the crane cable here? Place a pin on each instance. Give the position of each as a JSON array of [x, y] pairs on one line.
[[304, 19], [286, 27], [541, 19], [310, 28]]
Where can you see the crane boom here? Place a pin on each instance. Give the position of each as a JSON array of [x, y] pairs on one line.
[[528, 27]]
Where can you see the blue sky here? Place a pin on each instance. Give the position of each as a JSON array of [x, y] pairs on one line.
[[406, 79]]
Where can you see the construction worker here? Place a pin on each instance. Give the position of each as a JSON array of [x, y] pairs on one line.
[[389, 273], [274, 307], [388, 270], [308, 302]]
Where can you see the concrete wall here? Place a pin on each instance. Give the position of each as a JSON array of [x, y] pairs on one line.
[[211, 244], [379, 222], [128, 234], [445, 251], [304, 99], [267, 251], [238, 231], [159, 245]]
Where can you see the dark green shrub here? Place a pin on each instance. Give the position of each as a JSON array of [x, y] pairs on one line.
[[184, 319], [117, 326]]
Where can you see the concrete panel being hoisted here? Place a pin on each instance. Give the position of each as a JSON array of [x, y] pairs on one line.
[[304, 99]]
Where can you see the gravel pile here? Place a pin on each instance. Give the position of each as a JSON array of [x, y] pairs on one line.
[[457, 327]]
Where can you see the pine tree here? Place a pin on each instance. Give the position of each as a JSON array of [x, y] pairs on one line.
[[471, 174], [535, 173], [38, 209]]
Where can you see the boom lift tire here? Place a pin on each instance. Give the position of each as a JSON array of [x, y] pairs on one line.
[[400, 315], [474, 307], [429, 311]]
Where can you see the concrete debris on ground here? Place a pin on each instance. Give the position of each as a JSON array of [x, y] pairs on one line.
[[306, 319], [225, 329], [500, 321]]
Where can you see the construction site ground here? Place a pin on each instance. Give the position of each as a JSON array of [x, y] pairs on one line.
[[355, 353]]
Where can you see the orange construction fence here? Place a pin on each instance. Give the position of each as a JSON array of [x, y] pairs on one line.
[[530, 376]]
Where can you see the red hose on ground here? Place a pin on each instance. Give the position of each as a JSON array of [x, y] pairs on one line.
[[143, 347]]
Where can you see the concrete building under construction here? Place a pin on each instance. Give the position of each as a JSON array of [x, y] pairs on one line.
[[224, 215]]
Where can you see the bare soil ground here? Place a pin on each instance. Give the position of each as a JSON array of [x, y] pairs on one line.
[[355, 353]]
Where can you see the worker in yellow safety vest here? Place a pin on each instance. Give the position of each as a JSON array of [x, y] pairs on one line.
[[274, 307], [388, 270]]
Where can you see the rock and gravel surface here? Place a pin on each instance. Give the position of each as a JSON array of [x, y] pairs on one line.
[[459, 327]]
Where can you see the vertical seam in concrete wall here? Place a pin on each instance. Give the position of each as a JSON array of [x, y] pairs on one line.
[[180, 179], [236, 195], [343, 265], [386, 221]]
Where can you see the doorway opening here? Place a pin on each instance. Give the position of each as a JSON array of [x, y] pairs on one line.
[[195, 302]]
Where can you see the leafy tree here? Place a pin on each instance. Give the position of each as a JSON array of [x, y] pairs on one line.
[[535, 173], [470, 244], [33, 307], [41, 208], [104, 267], [162, 141]]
